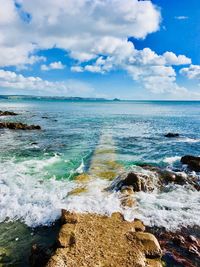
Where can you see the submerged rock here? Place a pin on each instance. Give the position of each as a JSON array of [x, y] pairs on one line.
[[95, 240], [192, 162], [19, 126], [171, 135], [7, 113]]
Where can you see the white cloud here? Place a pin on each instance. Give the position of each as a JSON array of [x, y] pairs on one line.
[[11, 81], [172, 59], [181, 17], [55, 24], [53, 66], [192, 72], [93, 32]]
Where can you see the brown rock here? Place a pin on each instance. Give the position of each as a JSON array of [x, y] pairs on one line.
[[66, 236], [18, 126], [139, 226], [69, 217], [103, 241], [193, 239], [151, 247]]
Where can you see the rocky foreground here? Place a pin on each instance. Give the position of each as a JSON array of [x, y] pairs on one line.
[[91, 240], [94, 240]]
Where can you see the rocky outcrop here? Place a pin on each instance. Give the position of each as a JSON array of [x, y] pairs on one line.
[[147, 178], [7, 113], [88, 240], [171, 135], [192, 162], [19, 126], [180, 248]]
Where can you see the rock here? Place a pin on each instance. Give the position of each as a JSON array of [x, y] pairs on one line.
[[179, 240], [94, 240], [139, 225], [69, 217], [19, 126], [192, 162], [150, 244], [193, 239], [39, 255], [7, 113], [137, 181], [66, 236], [194, 250], [171, 135], [175, 177]]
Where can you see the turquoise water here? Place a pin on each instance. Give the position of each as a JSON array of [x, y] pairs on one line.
[[38, 169]]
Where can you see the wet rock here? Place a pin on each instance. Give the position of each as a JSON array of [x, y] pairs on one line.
[[192, 162], [193, 239], [136, 181], [176, 177], [19, 126], [171, 135], [179, 240], [39, 255], [7, 113], [194, 250]]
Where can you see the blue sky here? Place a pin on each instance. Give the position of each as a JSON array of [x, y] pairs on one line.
[[128, 49]]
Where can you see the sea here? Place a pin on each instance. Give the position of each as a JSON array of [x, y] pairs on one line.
[[81, 147]]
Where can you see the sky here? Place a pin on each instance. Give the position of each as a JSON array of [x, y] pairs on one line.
[[126, 49]]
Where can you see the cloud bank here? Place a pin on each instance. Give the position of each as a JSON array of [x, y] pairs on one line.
[[94, 33]]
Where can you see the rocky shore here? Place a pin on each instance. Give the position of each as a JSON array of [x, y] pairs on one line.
[[95, 240]]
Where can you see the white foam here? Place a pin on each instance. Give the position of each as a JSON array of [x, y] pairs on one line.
[[171, 160], [187, 140], [172, 209], [26, 195], [81, 168]]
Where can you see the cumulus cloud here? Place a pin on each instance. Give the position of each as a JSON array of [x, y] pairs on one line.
[[192, 72], [12, 81], [95, 37], [55, 24], [53, 66]]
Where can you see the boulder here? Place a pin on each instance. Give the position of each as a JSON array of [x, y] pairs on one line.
[[171, 135], [7, 113], [19, 126], [133, 181], [192, 162]]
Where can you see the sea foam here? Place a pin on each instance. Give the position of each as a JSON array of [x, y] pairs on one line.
[[27, 196]]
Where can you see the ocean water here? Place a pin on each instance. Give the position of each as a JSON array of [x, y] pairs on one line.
[[82, 146]]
